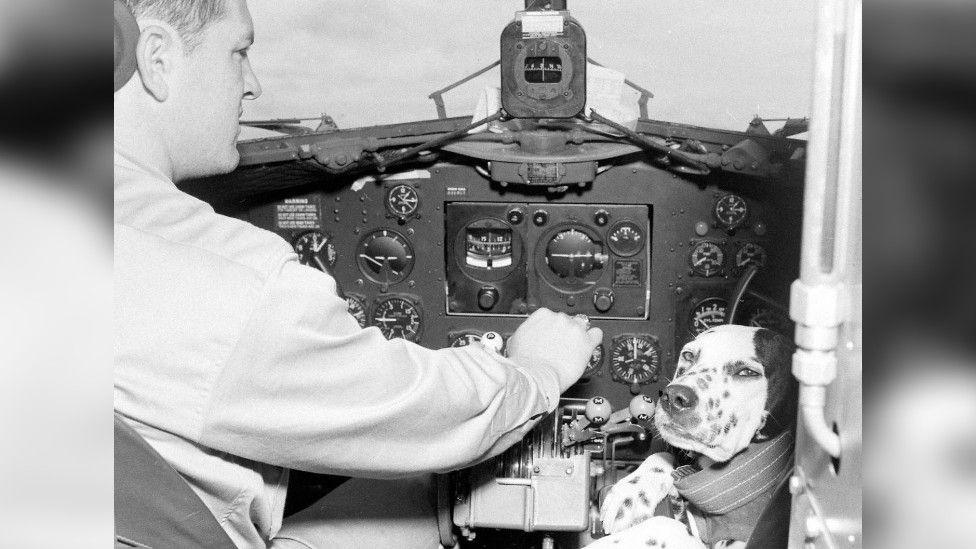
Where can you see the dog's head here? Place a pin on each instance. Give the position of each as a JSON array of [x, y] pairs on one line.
[[732, 384]]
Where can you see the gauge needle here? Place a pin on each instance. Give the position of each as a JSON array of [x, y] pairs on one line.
[[633, 347], [385, 319], [319, 247], [368, 258], [319, 261]]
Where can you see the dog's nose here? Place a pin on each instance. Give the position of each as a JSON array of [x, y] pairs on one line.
[[679, 398]]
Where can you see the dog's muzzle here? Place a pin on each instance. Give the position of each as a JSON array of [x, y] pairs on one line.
[[679, 399]]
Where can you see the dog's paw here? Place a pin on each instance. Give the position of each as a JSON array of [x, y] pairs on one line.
[[633, 499], [653, 533]]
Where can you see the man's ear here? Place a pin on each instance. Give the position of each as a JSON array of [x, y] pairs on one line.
[[158, 52]]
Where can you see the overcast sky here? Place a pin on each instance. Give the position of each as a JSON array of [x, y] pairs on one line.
[[709, 62]]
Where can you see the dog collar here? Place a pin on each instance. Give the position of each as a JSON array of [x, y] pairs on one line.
[[723, 487]]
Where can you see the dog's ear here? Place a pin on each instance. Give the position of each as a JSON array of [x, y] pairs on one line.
[[775, 352]]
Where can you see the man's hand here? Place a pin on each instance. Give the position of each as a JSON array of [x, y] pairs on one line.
[[556, 340]]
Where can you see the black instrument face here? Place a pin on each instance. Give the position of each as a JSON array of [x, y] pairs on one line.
[[635, 359], [397, 317], [571, 253], [385, 256], [750, 253], [316, 249], [402, 200], [708, 313], [626, 238], [731, 211], [706, 258], [356, 305], [596, 361]]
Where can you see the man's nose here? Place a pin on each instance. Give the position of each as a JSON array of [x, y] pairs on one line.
[[252, 88], [679, 398]]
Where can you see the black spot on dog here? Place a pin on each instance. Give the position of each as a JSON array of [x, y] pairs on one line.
[[657, 470], [644, 499], [719, 412], [628, 503], [727, 428], [734, 420], [702, 384], [651, 542], [726, 394], [620, 514], [634, 480], [716, 428], [708, 377]]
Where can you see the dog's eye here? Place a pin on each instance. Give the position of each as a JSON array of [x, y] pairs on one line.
[[747, 372], [688, 356]]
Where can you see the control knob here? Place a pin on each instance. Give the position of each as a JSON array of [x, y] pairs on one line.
[[487, 297]]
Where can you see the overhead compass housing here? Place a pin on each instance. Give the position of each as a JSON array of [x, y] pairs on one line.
[[543, 65]]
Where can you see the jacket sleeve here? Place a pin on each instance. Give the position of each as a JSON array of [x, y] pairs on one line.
[[306, 388]]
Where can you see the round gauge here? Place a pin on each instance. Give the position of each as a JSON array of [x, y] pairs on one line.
[[706, 258], [397, 317], [385, 256], [402, 200], [356, 306], [635, 359], [572, 254], [465, 339], [768, 318], [707, 314], [626, 238], [750, 254], [731, 211], [316, 249], [488, 245], [596, 360]]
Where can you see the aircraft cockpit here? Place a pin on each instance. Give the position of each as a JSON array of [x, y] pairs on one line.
[[451, 231]]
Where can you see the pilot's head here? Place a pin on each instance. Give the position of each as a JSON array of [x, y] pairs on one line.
[[193, 75]]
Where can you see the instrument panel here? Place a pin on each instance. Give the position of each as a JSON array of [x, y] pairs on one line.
[[440, 256]]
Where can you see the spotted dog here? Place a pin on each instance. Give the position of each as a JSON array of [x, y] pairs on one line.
[[732, 407]]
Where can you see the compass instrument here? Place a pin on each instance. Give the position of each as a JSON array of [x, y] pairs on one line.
[[385, 256], [573, 254], [707, 314], [356, 305], [487, 245], [316, 249], [706, 258], [402, 200], [750, 254], [731, 211], [635, 359], [397, 317], [626, 238]]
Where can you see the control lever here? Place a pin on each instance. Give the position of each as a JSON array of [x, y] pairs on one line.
[[599, 422]]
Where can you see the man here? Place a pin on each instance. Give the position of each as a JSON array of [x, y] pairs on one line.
[[237, 363]]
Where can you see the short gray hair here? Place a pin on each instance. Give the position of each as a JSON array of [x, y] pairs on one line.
[[188, 17]]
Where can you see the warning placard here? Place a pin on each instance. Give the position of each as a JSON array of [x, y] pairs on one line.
[[297, 213]]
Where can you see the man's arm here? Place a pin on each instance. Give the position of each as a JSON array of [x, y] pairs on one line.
[[307, 388]]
